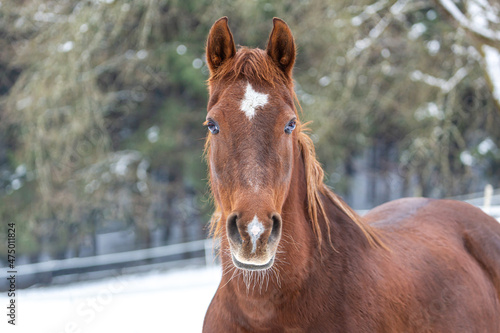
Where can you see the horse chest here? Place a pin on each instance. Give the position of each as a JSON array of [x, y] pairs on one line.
[[272, 309], [259, 312]]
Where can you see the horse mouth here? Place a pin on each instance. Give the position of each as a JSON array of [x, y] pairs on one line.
[[252, 267]]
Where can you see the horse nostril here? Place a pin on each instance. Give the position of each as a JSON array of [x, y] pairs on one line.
[[232, 229], [276, 230]]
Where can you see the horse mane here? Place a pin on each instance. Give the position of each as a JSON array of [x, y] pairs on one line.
[[316, 187], [255, 65]]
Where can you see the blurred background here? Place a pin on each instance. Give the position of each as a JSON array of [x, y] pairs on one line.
[[101, 136]]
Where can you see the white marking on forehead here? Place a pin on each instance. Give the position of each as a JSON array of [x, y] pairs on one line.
[[251, 101], [255, 229]]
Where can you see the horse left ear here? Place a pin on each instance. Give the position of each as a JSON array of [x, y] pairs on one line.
[[281, 46], [220, 45]]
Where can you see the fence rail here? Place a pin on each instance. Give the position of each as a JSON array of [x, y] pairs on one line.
[[205, 245]]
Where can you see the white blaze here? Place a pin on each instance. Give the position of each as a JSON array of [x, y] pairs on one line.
[[252, 101], [255, 229]]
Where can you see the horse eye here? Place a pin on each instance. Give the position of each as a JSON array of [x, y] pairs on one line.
[[290, 126], [213, 127]]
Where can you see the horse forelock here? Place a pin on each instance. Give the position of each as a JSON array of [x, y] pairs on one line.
[[252, 64]]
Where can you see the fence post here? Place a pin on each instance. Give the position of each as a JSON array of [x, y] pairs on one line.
[[209, 255], [488, 193]]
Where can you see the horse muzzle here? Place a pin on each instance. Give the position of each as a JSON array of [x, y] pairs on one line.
[[253, 241]]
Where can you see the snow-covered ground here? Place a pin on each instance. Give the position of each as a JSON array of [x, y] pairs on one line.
[[170, 302]]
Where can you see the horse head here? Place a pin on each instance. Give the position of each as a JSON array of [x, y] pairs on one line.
[[250, 149]]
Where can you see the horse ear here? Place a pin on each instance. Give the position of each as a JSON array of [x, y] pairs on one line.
[[220, 44], [281, 46]]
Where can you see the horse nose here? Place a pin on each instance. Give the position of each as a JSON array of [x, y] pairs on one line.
[[253, 231], [233, 232], [276, 228]]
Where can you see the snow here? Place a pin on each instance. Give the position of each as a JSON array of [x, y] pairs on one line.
[[324, 81], [386, 53], [433, 47], [367, 12], [445, 85], [16, 184], [21, 170], [153, 133], [477, 14], [84, 28], [122, 159], [492, 59], [486, 146], [66, 47], [154, 302], [23, 103], [466, 158], [197, 63], [417, 30], [181, 49], [481, 13], [429, 110], [142, 54], [476, 25], [396, 10], [431, 15]]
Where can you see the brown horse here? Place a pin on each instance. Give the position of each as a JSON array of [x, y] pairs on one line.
[[295, 257]]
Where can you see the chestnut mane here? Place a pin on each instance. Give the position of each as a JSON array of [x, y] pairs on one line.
[[254, 65]]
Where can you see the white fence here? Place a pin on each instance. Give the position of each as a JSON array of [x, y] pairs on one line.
[[205, 245], [488, 201]]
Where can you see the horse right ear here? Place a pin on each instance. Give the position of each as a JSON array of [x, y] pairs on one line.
[[220, 45], [281, 46]]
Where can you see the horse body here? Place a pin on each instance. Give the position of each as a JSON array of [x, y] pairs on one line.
[[438, 279], [295, 257]]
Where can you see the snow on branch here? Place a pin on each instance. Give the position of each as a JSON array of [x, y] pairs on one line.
[[362, 44], [445, 85], [492, 60], [367, 12], [480, 29]]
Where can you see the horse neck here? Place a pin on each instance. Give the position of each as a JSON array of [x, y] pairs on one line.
[[304, 256]]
